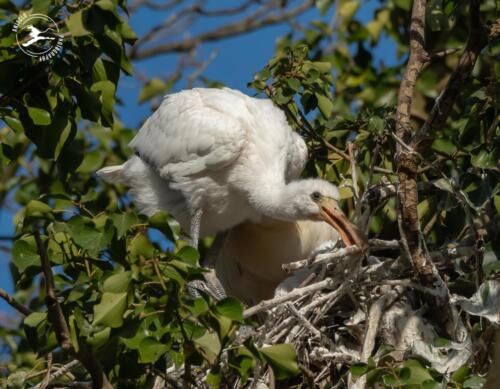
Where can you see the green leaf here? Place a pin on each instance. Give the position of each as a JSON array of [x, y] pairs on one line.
[[152, 88], [140, 246], [8, 5], [24, 255], [347, 9], [106, 5], [484, 159], [496, 201], [197, 306], [293, 83], [39, 116], [84, 234], [117, 283], [443, 184], [460, 374], [107, 96], [282, 359], [418, 374], [37, 208], [150, 350], [123, 222], [376, 124], [91, 162], [322, 66], [209, 345], [475, 382], [41, 6], [188, 254], [109, 312], [34, 319], [100, 338], [444, 146], [358, 369], [325, 105], [231, 308], [13, 123], [173, 274], [323, 5], [75, 24]]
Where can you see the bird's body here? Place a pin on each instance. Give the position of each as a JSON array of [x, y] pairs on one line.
[[212, 149], [249, 258], [218, 160]]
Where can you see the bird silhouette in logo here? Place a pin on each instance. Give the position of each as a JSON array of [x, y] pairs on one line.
[[36, 35]]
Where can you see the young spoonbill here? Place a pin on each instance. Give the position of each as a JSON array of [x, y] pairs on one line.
[[215, 158]]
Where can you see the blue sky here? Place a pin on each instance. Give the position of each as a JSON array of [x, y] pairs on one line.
[[236, 61]]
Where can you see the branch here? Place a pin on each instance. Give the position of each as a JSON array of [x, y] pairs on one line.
[[240, 27], [373, 319], [294, 294], [14, 303], [444, 103], [55, 312], [56, 317], [59, 372], [324, 258], [407, 168], [406, 159]]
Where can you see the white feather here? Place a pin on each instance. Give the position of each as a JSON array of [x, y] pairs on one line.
[[219, 150]]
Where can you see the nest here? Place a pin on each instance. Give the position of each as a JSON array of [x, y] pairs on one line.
[[351, 307]]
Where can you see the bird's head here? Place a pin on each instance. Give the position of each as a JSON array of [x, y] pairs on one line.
[[316, 199]]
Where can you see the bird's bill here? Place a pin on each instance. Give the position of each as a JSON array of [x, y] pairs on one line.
[[333, 215]]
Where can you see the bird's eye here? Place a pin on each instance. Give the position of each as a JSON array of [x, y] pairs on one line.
[[316, 196]]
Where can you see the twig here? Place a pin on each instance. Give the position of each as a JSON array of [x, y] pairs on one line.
[[294, 294], [374, 244], [441, 54], [14, 303], [55, 313], [308, 326], [373, 319], [444, 103], [321, 259], [201, 68], [60, 372], [56, 317], [239, 27], [354, 176]]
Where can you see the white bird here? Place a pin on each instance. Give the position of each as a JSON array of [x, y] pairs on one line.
[[248, 258], [215, 158]]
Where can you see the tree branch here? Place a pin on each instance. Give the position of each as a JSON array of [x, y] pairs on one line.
[[14, 303], [55, 312], [444, 103], [56, 317], [246, 25], [294, 294]]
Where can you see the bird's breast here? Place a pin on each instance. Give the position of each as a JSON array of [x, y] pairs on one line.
[[250, 261]]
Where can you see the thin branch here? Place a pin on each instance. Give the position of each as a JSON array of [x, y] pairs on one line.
[[240, 27], [293, 295], [56, 317], [373, 319], [60, 372], [321, 259], [55, 313], [443, 106], [14, 303]]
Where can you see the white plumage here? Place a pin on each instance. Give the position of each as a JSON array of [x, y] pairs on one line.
[[230, 157]]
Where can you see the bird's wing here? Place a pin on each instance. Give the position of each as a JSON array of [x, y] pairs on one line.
[[193, 131], [296, 157]]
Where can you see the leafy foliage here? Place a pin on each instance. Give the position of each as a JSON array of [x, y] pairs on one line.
[[123, 294]]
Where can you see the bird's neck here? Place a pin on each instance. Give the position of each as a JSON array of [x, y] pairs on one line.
[[274, 199]]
